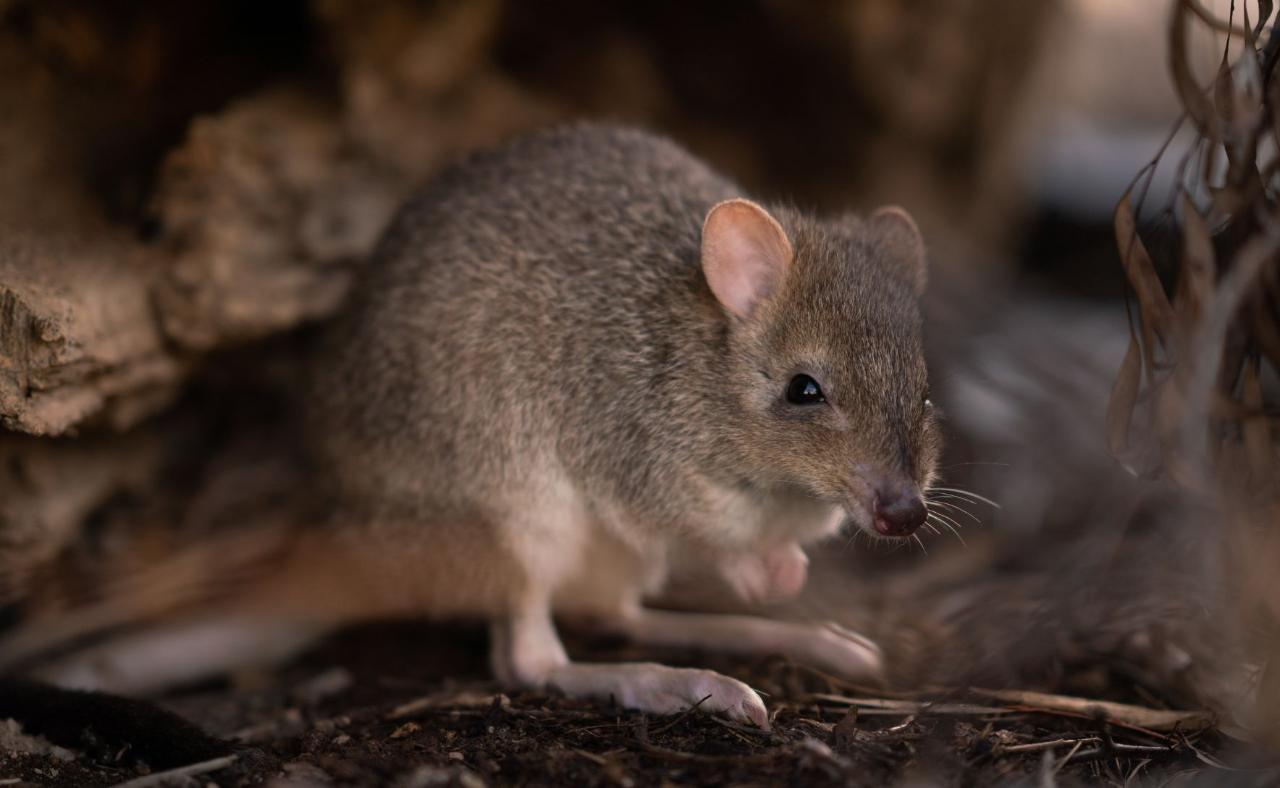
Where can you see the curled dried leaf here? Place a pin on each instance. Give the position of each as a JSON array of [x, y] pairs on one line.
[[1124, 398], [1266, 333], [1169, 407], [1265, 8], [1196, 274], [1214, 23], [1240, 119], [1189, 91], [1223, 90], [1273, 100], [1155, 312], [1211, 350], [1257, 430]]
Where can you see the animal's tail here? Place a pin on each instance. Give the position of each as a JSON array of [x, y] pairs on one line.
[[79, 597]]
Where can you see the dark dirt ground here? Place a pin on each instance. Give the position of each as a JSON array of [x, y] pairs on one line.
[[408, 705]]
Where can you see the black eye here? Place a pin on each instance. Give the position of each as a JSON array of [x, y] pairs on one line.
[[804, 390]]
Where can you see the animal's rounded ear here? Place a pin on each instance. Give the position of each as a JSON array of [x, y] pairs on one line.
[[745, 255], [902, 239]]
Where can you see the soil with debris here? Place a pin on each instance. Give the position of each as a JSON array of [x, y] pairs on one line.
[[412, 706]]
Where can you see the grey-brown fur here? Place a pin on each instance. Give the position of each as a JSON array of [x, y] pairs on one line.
[[545, 300]]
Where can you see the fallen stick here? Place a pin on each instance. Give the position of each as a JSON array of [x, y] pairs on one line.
[[439, 700], [1044, 745], [894, 706], [1122, 713], [159, 778]]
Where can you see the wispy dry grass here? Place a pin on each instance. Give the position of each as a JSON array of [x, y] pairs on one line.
[[1196, 396]]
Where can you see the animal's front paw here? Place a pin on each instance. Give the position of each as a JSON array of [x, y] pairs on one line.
[[788, 569], [761, 577]]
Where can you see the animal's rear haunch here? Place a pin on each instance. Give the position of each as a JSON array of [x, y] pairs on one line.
[[583, 364]]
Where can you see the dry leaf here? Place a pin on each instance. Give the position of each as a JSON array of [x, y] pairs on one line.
[[1257, 430], [1124, 397], [1189, 91], [1264, 14], [1196, 275], [1155, 314]]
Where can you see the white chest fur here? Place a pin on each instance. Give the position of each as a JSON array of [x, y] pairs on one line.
[[615, 572], [752, 521]]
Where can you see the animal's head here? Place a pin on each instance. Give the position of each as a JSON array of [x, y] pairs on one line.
[[826, 372]]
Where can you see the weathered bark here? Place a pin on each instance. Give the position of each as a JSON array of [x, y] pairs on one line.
[[77, 336], [254, 224]]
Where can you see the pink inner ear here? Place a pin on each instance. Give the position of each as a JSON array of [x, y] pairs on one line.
[[745, 255], [746, 274]]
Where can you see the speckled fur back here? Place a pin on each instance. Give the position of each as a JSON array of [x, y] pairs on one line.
[[542, 306]]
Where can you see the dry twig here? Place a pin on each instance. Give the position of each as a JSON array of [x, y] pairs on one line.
[[180, 773], [1119, 713]]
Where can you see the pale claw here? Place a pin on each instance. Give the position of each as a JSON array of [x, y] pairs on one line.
[[730, 697]]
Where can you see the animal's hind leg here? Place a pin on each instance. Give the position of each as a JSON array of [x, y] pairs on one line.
[[527, 652], [827, 647], [170, 655]]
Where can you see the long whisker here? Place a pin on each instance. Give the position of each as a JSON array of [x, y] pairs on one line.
[[973, 495], [936, 497], [946, 519], [955, 533], [916, 538], [963, 464], [933, 502], [959, 491], [852, 541], [952, 507]]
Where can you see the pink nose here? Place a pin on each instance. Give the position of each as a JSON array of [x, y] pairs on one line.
[[899, 511]]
